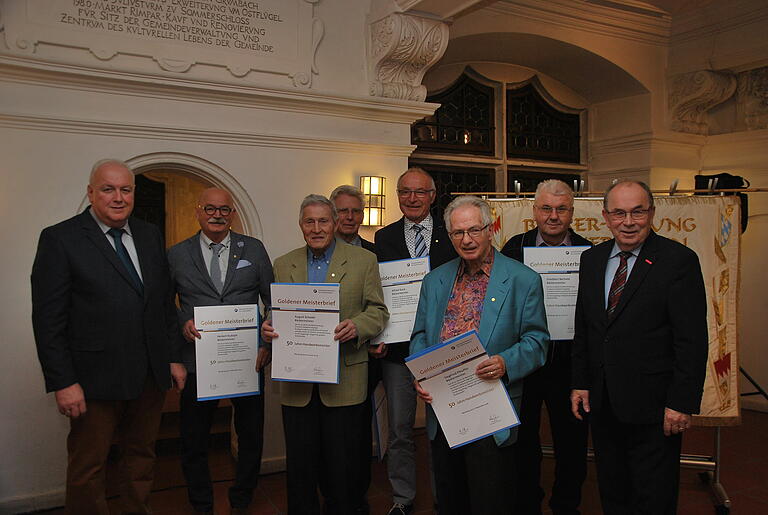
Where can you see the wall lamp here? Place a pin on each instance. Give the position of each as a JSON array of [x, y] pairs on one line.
[[374, 196]]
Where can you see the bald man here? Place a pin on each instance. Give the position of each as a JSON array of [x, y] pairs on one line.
[[218, 266], [105, 330]]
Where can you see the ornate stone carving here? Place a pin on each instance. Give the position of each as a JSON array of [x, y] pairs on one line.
[[691, 95], [753, 98], [401, 49]]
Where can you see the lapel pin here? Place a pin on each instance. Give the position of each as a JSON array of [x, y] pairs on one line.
[[333, 275], [493, 299], [648, 261]]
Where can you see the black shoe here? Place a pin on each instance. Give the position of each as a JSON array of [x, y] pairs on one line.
[[400, 509]]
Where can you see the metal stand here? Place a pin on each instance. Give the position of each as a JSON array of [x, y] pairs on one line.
[[759, 391]]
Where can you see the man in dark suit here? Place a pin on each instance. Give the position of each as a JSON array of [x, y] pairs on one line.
[[416, 234], [105, 329], [639, 354], [217, 267], [551, 384], [349, 202]]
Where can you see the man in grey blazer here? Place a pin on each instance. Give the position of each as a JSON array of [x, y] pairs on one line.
[[214, 267]]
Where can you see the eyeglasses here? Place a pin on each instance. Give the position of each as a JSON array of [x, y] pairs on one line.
[[560, 210], [619, 215], [473, 232], [211, 210], [346, 211], [417, 193]]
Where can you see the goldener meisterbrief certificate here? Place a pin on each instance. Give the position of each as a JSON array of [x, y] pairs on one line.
[[559, 270], [401, 284], [304, 316], [225, 353], [467, 407]]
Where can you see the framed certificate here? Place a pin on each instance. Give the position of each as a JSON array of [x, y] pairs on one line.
[[305, 316], [225, 353]]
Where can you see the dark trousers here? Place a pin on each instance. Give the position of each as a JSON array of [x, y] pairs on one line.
[[195, 427], [550, 385], [638, 468], [322, 442], [135, 423], [477, 478]]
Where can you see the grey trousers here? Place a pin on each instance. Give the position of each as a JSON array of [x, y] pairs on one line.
[[401, 451]]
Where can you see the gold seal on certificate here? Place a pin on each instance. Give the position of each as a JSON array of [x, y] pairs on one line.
[[401, 285], [225, 354], [467, 407], [559, 271], [305, 316]]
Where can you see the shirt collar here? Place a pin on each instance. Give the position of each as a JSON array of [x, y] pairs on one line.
[[104, 227], [426, 223], [615, 250], [485, 267], [327, 255], [207, 241], [565, 243]]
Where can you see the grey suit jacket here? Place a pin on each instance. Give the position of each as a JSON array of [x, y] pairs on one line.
[[249, 274]]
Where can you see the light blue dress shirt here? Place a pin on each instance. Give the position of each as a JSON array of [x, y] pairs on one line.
[[317, 267], [613, 265]]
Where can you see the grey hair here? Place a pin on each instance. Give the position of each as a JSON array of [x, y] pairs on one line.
[[554, 187], [468, 200], [416, 169], [628, 181], [314, 200], [101, 162], [347, 189]]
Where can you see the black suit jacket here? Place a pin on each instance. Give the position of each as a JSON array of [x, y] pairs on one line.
[[514, 247], [652, 353], [249, 276], [92, 325], [390, 245], [367, 245]]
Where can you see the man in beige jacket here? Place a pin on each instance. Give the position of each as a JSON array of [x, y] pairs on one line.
[[322, 421]]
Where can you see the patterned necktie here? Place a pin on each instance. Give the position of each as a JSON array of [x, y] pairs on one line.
[[619, 280], [215, 268], [419, 245], [122, 253]]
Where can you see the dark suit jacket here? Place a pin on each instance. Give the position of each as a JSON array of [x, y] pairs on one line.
[[249, 274], [390, 245], [652, 353], [367, 245], [92, 325], [514, 247]]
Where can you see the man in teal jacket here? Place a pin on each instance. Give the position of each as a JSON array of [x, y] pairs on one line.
[[503, 300]]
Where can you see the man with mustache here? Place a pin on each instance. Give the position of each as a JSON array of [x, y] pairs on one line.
[[218, 266], [551, 384]]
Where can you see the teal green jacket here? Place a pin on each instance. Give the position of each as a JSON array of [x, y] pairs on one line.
[[513, 325]]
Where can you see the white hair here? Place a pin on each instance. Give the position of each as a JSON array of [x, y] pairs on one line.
[[468, 200]]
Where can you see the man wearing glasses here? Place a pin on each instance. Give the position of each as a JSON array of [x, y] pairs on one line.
[[415, 235], [503, 300], [349, 204], [639, 353], [551, 384], [218, 266]]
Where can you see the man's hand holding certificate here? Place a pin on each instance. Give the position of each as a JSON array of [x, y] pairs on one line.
[[463, 385], [305, 332]]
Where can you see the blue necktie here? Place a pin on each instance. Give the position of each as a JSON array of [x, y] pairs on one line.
[[117, 236], [419, 245]]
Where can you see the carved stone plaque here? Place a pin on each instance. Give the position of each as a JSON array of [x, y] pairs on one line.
[[264, 36]]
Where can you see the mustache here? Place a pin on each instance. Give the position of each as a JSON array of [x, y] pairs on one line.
[[217, 220]]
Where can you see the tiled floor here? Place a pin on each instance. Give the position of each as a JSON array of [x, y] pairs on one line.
[[744, 474]]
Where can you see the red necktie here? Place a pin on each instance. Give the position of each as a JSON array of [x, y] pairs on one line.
[[619, 280]]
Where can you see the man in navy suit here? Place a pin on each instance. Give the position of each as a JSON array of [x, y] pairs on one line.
[[217, 267], [416, 234], [639, 354], [105, 329]]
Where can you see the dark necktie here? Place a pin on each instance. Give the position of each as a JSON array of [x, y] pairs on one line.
[[215, 268], [419, 245], [117, 236], [617, 286]]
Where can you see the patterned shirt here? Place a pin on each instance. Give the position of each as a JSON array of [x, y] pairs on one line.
[[465, 305]]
